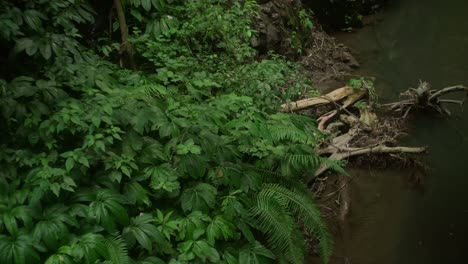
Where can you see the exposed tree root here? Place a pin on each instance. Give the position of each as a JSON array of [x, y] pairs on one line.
[[425, 98]]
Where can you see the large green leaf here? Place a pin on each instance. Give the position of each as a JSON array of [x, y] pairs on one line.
[[146, 4], [193, 226], [106, 207], [142, 228], [53, 226], [199, 197], [205, 252], [163, 177], [9, 218], [89, 248], [18, 250], [136, 194], [255, 253], [219, 228]]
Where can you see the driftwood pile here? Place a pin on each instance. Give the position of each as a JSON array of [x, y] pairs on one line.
[[350, 116]]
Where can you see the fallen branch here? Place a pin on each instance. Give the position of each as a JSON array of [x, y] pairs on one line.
[[350, 100], [324, 120], [447, 90], [348, 152], [328, 98], [343, 153]]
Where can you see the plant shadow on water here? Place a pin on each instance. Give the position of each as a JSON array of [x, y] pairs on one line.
[[391, 222]]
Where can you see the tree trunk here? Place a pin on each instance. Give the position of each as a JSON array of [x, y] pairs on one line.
[[126, 46]]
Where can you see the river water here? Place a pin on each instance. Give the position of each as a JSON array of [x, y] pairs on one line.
[[392, 221]]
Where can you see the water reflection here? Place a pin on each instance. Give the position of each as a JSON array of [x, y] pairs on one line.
[[425, 40]]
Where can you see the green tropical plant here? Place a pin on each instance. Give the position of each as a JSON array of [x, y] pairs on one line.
[[167, 164]]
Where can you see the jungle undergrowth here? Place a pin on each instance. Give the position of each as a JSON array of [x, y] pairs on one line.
[[184, 160]]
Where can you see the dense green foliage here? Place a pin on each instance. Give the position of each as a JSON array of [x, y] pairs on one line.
[[182, 161]]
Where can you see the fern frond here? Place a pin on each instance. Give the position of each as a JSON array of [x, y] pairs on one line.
[[290, 133], [304, 160], [279, 226], [295, 128], [303, 207], [299, 162], [154, 90], [117, 251], [147, 92], [304, 122]]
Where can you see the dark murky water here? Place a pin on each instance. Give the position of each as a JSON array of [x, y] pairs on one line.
[[391, 222]]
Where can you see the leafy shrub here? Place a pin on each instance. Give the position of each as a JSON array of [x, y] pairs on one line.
[[181, 162]]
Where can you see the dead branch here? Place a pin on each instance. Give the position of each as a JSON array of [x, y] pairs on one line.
[[349, 101], [333, 96], [447, 90], [343, 153], [359, 131]]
